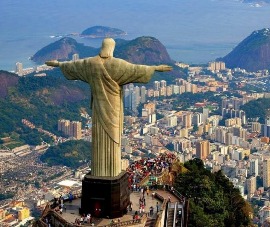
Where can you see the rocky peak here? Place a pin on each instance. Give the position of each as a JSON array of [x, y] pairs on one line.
[[253, 53]]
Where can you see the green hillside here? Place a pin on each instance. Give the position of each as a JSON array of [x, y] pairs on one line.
[[213, 200], [257, 109], [71, 153], [42, 101]]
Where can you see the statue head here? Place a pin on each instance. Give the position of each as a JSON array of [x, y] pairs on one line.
[[107, 48]]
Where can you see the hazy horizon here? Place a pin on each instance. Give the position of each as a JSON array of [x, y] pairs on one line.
[[193, 31]]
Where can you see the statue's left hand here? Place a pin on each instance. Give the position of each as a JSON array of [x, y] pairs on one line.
[[53, 63], [163, 68]]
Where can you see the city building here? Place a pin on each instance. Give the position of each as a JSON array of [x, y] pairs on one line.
[[64, 126], [216, 66], [254, 167], [76, 129], [143, 94], [72, 129], [19, 68], [266, 173], [256, 127], [75, 57], [202, 149]]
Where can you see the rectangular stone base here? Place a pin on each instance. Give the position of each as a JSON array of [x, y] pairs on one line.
[[105, 197]]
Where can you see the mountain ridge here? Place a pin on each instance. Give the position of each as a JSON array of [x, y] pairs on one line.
[[143, 50], [252, 54]]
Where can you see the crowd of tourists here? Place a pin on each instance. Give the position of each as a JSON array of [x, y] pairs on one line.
[[148, 167]]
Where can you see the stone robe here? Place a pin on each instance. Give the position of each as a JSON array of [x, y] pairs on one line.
[[106, 76]]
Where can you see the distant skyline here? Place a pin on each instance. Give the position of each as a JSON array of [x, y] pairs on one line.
[[193, 31]]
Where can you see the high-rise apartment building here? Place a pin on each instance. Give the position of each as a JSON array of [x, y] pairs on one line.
[[194, 88], [163, 91], [143, 94], [256, 127], [254, 167], [197, 119], [188, 87], [187, 120], [266, 127], [266, 173], [72, 129], [137, 95], [168, 90], [202, 149], [19, 68], [76, 130], [156, 85], [163, 83], [205, 114], [75, 57], [216, 66], [127, 98], [172, 121], [251, 185], [175, 89], [150, 107], [64, 126]]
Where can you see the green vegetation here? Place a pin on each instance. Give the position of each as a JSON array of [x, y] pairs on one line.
[[42, 101], [102, 31], [213, 199], [71, 153], [188, 99], [250, 53], [7, 195], [257, 108]]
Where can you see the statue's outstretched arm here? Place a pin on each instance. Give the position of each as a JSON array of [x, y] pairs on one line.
[[163, 68], [53, 63]]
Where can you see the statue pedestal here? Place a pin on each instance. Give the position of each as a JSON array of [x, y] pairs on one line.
[[105, 197]]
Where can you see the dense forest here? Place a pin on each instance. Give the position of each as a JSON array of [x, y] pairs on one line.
[[73, 154], [213, 200], [257, 109]]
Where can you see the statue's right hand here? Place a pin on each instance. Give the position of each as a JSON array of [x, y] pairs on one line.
[[163, 68], [53, 63]]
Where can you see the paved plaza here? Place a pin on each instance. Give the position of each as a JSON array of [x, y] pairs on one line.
[[72, 209]]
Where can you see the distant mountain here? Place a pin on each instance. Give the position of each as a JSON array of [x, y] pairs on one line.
[[102, 32], [63, 49], [256, 1], [252, 54], [144, 50]]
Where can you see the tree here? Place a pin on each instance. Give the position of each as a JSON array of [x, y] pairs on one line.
[[213, 199]]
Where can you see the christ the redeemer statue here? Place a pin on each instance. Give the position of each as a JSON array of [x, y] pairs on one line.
[[106, 76]]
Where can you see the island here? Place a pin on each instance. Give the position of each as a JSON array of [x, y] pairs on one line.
[[102, 32]]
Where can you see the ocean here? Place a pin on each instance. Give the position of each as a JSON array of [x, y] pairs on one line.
[[193, 31]]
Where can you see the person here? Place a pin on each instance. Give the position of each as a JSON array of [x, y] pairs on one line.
[[151, 211], [106, 76], [88, 216], [130, 206]]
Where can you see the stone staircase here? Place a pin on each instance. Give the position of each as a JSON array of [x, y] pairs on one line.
[[170, 217], [150, 222]]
